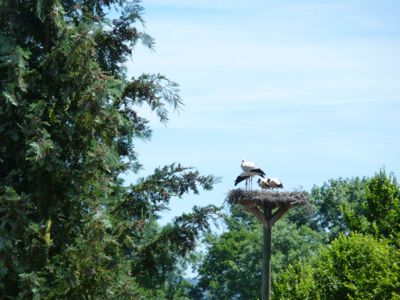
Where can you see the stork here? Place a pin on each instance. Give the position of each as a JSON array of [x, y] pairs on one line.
[[250, 170], [270, 183], [244, 176]]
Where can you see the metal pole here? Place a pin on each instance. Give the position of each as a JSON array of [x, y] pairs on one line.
[[266, 273]]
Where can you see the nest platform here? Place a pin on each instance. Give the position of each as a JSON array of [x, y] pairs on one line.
[[270, 198], [258, 202]]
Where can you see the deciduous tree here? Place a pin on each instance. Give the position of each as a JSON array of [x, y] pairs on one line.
[[231, 269], [353, 267], [379, 211]]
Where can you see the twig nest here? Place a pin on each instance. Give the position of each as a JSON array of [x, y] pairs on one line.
[[271, 198]]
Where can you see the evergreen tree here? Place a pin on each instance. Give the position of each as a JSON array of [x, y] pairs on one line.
[[69, 118]]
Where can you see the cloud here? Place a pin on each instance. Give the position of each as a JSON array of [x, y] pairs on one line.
[[232, 65]]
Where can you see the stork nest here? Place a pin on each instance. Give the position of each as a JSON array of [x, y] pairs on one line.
[[270, 198]]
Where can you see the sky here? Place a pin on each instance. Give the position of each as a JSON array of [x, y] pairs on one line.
[[307, 89]]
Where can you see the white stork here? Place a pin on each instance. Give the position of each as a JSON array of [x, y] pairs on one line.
[[250, 169], [270, 183]]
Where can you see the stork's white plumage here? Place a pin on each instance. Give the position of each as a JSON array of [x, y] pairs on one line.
[[270, 183], [248, 166], [250, 169]]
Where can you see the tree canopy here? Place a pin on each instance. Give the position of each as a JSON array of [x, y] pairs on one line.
[[69, 119], [71, 228], [352, 267], [378, 213], [344, 246]]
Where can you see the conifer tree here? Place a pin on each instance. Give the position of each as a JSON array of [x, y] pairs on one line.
[[69, 119]]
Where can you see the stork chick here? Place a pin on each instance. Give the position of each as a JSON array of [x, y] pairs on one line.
[[270, 183]]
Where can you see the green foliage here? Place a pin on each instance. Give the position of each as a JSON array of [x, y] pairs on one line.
[[70, 228], [379, 211], [329, 200], [358, 267], [232, 267], [291, 243], [158, 257], [296, 282], [353, 267], [69, 119], [316, 251]]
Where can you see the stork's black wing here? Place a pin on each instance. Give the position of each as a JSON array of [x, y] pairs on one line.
[[240, 179], [259, 172]]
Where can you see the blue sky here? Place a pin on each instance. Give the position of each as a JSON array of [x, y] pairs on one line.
[[308, 89]]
